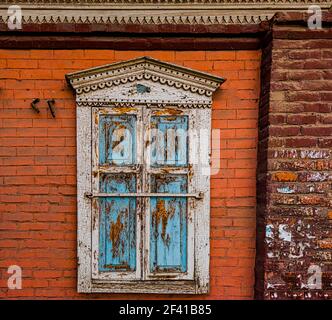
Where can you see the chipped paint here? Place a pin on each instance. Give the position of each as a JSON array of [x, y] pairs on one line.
[[285, 234], [286, 190], [169, 224], [285, 176], [168, 111], [329, 214], [318, 176], [297, 250], [161, 215], [269, 233], [115, 232], [285, 154], [124, 110], [325, 243], [117, 224], [273, 255], [314, 154], [141, 88]]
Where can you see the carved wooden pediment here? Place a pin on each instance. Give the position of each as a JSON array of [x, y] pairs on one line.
[[143, 80]]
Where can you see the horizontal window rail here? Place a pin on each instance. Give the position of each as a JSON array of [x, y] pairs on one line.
[[90, 195]]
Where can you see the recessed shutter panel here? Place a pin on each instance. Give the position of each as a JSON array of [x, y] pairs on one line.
[[117, 238], [168, 248]]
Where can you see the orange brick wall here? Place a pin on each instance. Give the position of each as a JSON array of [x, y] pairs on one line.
[[38, 169]]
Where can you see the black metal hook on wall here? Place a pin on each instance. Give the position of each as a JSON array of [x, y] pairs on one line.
[[33, 105], [51, 103]]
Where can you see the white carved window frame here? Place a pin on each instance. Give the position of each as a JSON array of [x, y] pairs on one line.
[[110, 87]]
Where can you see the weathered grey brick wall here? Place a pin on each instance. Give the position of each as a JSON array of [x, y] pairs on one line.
[[294, 171]]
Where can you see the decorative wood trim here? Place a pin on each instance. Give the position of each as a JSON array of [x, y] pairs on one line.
[[142, 12], [149, 104], [83, 120], [203, 17], [111, 84], [185, 83], [201, 178], [168, 3], [153, 286]]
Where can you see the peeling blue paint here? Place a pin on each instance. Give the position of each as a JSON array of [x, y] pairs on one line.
[[168, 235], [169, 140], [285, 190], [269, 231], [117, 233], [117, 143], [284, 234]]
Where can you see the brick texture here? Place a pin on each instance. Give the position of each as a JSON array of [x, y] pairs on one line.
[[38, 168], [295, 170]]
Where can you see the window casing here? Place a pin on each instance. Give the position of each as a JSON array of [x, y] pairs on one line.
[[143, 198]]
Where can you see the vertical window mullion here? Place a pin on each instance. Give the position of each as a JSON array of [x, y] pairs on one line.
[[145, 188]]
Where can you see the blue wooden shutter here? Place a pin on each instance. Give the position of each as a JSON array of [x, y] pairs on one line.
[[117, 227], [168, 215]]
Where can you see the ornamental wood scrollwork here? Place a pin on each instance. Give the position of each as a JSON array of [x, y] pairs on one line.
[[143, 81]]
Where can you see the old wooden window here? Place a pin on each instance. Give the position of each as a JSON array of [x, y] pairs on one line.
[[143, 134]]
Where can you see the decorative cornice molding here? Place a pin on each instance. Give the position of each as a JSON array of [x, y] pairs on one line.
[[186, 87], [102, 18], [155, 12], [192, 3], [149, 104]]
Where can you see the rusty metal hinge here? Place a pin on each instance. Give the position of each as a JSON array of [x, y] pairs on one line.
[[88, 195]]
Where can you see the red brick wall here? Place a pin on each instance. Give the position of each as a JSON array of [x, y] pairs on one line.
[[296, 157], [38, 169]]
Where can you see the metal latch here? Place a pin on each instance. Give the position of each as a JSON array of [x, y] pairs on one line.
[[198, 196]]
